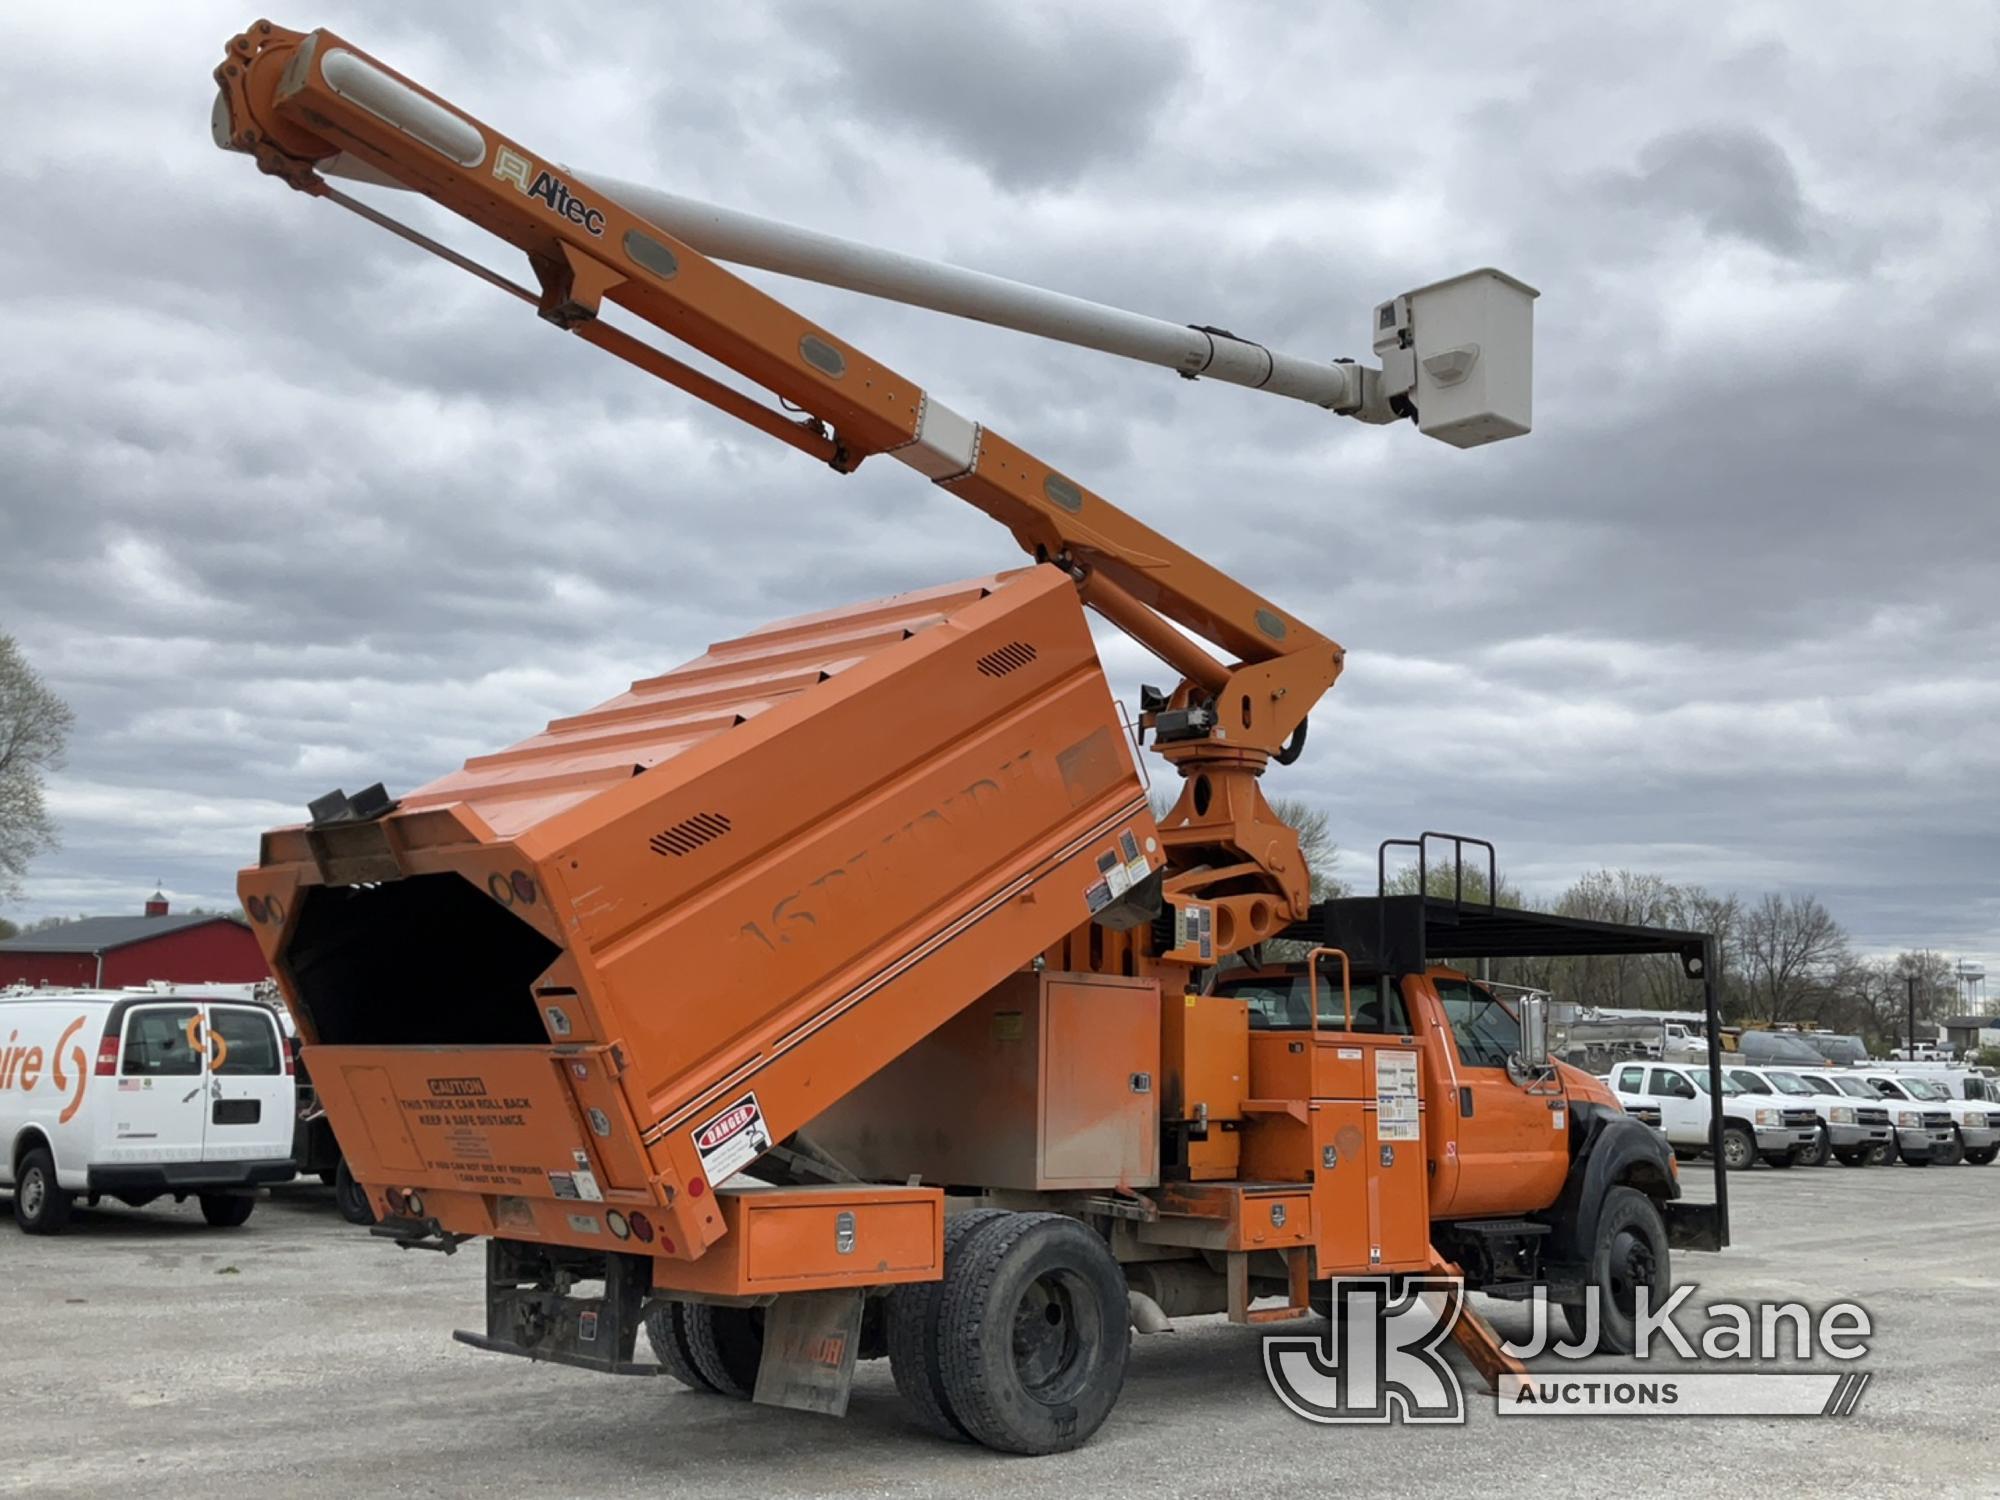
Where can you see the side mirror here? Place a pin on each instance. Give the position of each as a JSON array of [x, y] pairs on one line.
[[1534, 1054]]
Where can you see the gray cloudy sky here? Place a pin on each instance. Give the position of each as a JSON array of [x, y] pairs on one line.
[[288, 505]]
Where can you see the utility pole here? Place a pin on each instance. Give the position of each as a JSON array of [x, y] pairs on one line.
[[1910, 983]]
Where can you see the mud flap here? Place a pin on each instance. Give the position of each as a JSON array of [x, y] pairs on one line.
[[530, 1312], [810, 1341], [1694, 1226]]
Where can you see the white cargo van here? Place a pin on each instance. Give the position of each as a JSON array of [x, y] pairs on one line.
[[138, 1094]]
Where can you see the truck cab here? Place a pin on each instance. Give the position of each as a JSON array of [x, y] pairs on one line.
[[1781, 1133]]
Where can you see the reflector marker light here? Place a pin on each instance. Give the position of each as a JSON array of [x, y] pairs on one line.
[[419, 118]]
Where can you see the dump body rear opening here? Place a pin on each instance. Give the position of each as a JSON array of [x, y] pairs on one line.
[[424, 961]]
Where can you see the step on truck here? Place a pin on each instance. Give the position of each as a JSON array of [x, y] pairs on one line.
[[838, 992]]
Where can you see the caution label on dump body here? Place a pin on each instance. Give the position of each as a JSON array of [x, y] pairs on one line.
[[732, 1140], [1396, 1096]]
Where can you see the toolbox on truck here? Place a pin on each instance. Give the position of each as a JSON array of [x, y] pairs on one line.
[[631, 953]]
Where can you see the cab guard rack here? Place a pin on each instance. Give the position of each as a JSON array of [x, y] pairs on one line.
[[1404, 934]]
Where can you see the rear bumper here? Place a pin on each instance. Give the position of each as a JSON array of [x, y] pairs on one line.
[[187, 1176]]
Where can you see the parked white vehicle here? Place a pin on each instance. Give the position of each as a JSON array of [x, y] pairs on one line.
[[1852, 1130], [1752, 1126], [140, 1094], [1977, 1084], [1974, 1124]]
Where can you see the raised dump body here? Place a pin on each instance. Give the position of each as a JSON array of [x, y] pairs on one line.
[[604, 968]]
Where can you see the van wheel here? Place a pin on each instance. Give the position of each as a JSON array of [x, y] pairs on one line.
[[726, 1345], [40, 1204], [916, 1359], [1035, 1333], [1739, 1148], [1982, 1156], [1819, 1153], [350, 1197], [667, 1332], [227, 1210], [1629, 1252]]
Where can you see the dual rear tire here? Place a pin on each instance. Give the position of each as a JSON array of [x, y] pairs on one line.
[[1022, 1347]]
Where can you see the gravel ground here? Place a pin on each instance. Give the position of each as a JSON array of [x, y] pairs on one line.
[[144, 1353]]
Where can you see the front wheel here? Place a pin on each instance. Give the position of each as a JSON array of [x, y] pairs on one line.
[[350, 1197], [1953, 1154], [40, 1204], [1781, 1158], [1881, 1154], [1855, 1156], [1739, 1148], [1629, 1253], [227, 1210], [1982, 1155], [1035, 1333], [1819, 1153]]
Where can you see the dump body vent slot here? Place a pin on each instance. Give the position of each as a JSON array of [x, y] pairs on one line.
[[689, 834], [1008, 658]]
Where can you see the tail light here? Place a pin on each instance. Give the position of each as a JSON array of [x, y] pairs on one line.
[[642, 1227], [292, 1058], [107, 1051]]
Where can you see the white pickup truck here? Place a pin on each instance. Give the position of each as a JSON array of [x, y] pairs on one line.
[[1918, 1102], [1854, 1131], [1752, 1126]]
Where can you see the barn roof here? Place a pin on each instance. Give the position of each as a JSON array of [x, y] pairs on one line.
[[101, 934]]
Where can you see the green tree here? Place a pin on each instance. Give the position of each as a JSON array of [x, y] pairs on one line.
[[34, 726]]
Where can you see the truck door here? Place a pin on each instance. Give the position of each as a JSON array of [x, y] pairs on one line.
[[249, 1113], [1510, 1139], [1683, 1112], [160, 1100]]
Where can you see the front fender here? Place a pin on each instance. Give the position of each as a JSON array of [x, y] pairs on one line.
[[1608, 1148]]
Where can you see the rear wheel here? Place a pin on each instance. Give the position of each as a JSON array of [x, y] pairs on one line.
[[227, 1210], [350, 1197], [1739, 1148], [667, 1332], [1035, 1332], [1629, 1253], [40, 1204], [726, 1345], [915, 1358]]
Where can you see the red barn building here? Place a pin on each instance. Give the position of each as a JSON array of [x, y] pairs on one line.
[[112, 952]]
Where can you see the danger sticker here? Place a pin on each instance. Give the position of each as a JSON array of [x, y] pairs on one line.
[[732, 1140]]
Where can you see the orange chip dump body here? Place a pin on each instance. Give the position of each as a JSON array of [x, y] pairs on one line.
[[622, 957]]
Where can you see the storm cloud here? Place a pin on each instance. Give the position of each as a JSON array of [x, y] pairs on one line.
[[287, 505]]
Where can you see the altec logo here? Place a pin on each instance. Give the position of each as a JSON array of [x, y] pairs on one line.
[[24, 1068], [511, 166]]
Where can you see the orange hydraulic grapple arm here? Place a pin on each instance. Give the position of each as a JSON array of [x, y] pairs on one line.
[[309, 105]]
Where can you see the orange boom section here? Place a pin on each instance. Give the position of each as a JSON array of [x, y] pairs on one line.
[[605, 968]]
